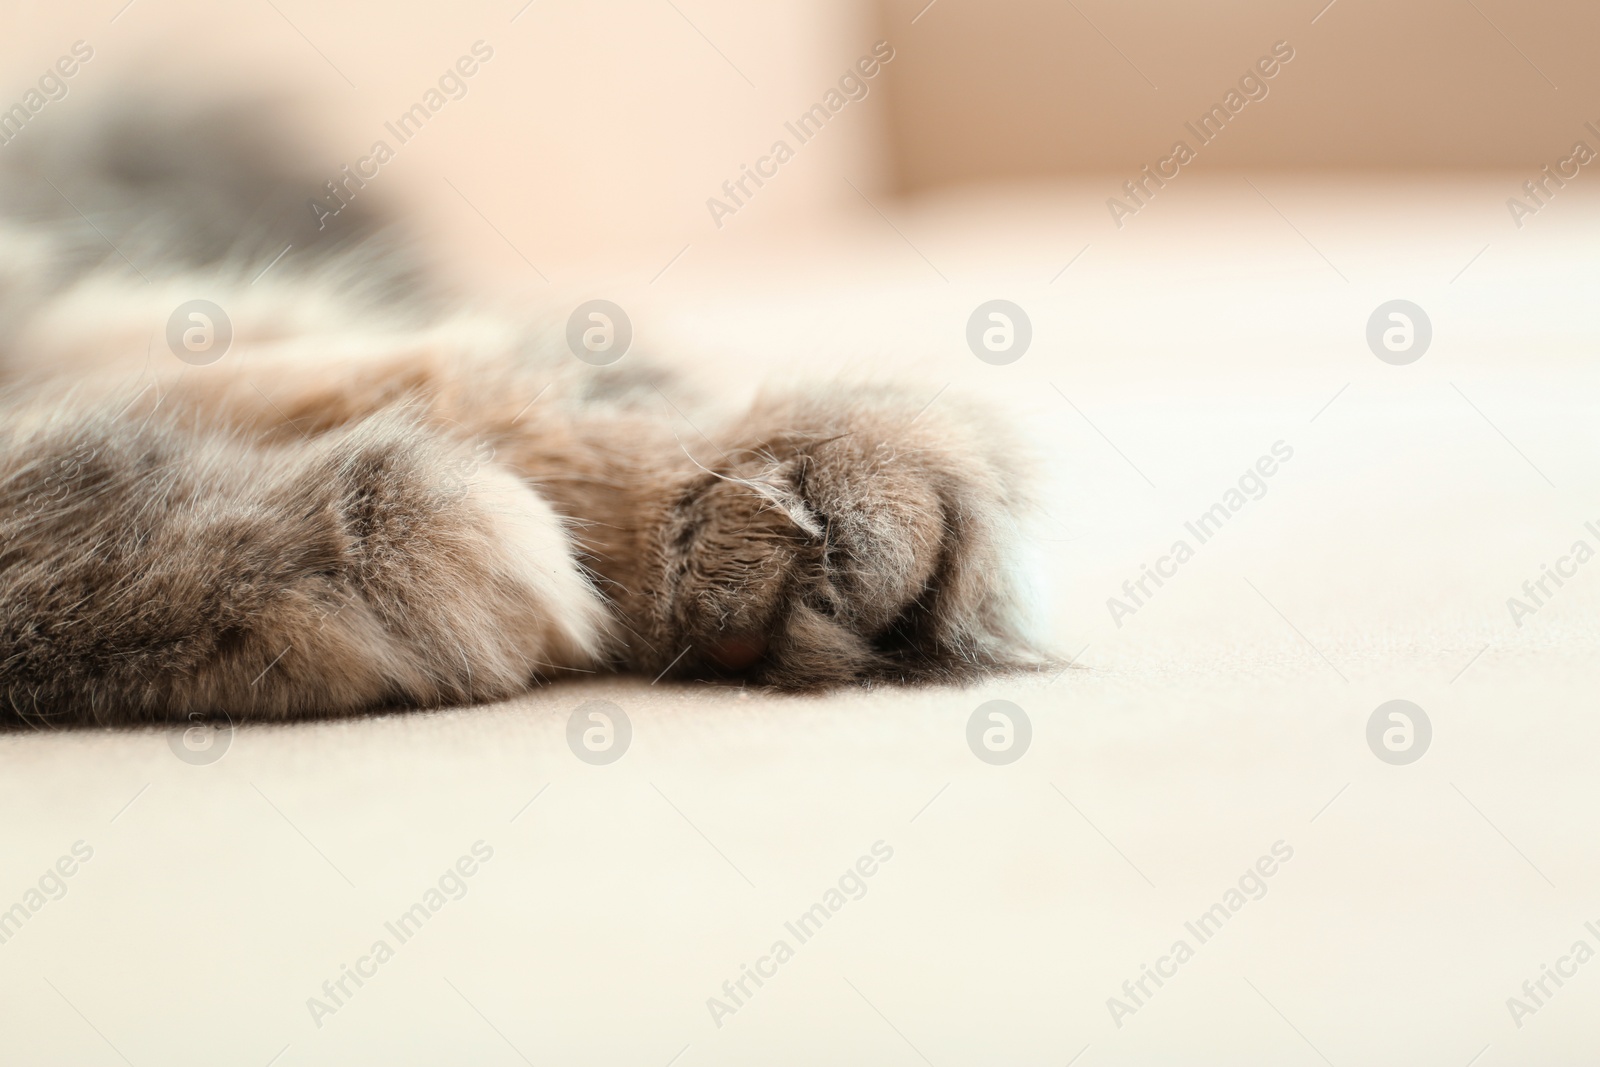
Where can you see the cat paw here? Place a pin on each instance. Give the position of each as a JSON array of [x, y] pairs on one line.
[[844, 537]]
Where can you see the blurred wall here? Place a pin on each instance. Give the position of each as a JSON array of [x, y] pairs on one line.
[[594, 127], [605, 129], [988, 89]]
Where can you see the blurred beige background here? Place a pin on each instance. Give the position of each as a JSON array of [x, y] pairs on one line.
[[1050, 87], [601, 130], [594, 128]]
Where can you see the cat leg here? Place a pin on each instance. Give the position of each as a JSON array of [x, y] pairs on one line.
[[148, 572]]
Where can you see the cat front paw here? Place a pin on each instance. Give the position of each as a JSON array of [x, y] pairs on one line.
[[846, 537]]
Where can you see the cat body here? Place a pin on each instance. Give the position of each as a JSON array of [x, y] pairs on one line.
[[376, 496]]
